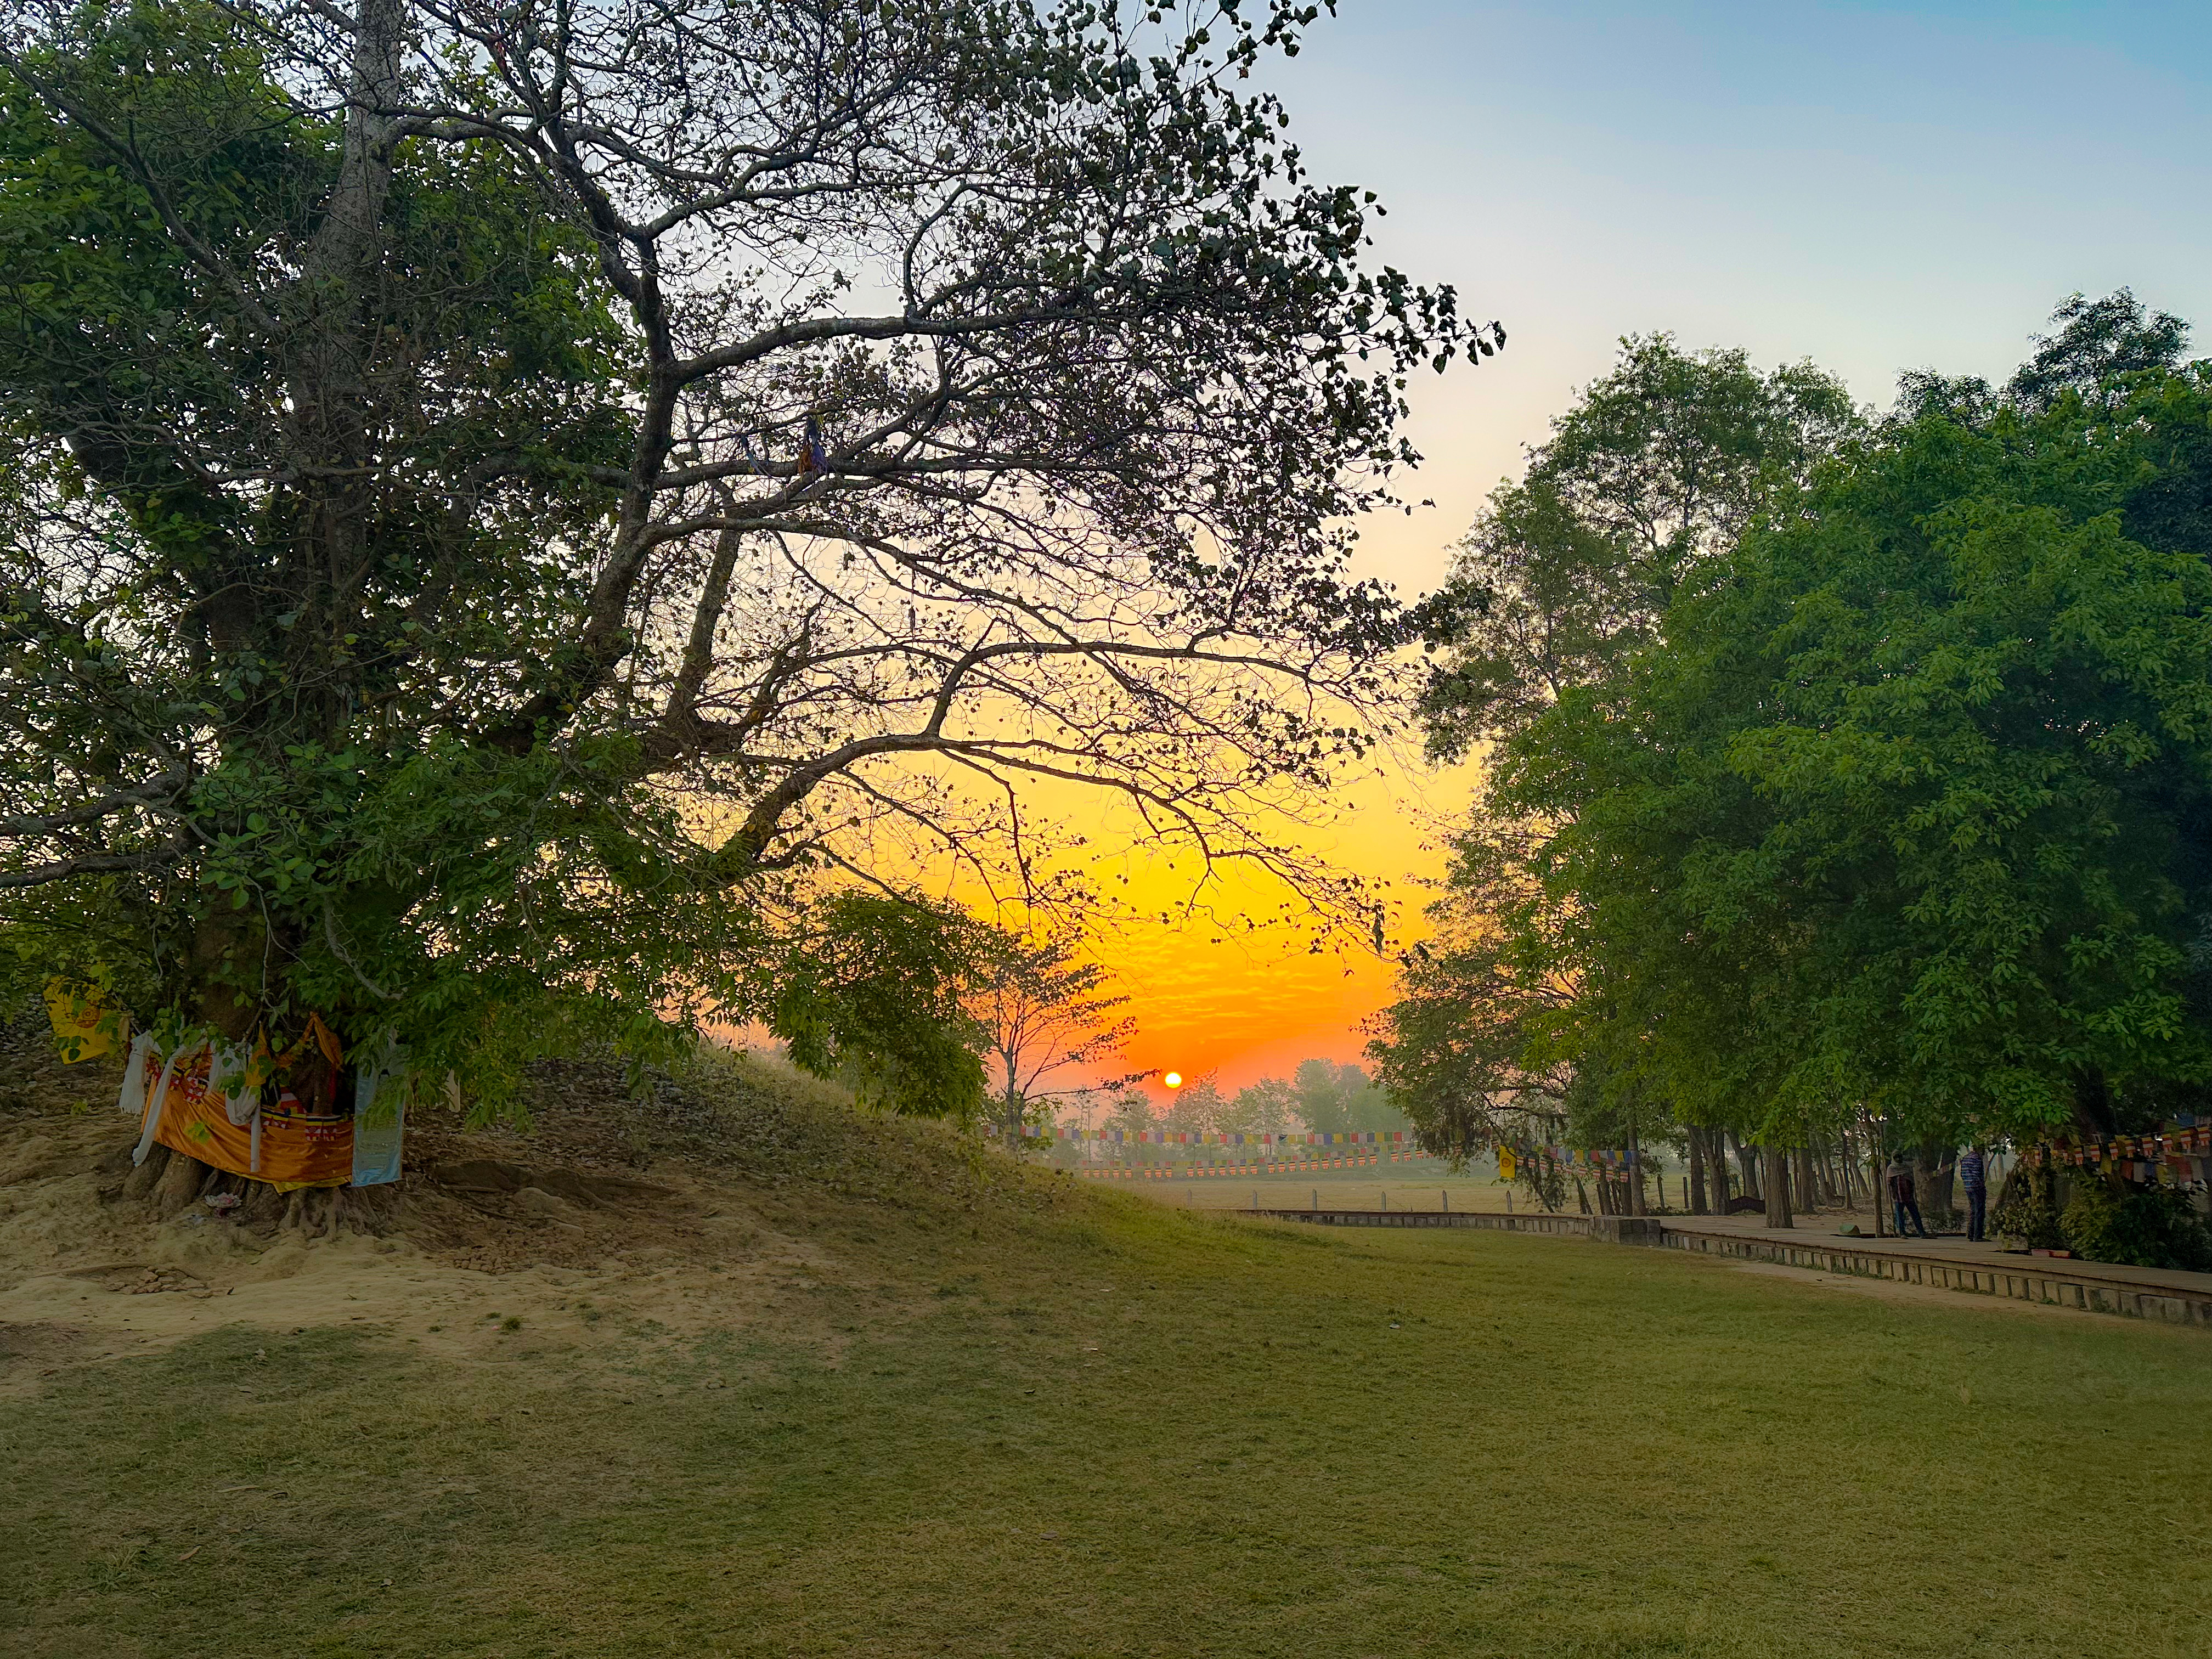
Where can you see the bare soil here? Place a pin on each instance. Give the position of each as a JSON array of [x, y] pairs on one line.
[[611, 1216]]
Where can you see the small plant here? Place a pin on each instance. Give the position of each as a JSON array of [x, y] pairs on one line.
[[510, 1323]]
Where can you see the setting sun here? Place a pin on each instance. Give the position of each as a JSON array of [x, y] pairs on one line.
[[1173, 1079]]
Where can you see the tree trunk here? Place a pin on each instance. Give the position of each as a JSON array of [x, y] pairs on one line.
[[1932, 1175], [1747, 1159], [1808, 1197], [2093, 1104], [1012, 1110], [1635, 1173], [1698, 1172], [1777, 1189]]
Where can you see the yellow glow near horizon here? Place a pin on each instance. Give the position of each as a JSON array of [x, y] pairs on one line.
[[1244, 1004], [1173, 1079], [1220, 966]]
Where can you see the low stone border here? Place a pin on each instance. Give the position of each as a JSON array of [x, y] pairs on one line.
[[2097, 1287], [2046, 1281], [1555, 1226]]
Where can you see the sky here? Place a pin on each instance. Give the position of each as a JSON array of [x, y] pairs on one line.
[[1872, 187]]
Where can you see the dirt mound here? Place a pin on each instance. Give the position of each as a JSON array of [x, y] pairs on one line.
[[724, 1198]]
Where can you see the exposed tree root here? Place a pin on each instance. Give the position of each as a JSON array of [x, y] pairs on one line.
[[170, 1183], [179, 1185], [140, 1183]]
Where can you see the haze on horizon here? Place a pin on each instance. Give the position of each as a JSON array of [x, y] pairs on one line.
[[1874, 187]]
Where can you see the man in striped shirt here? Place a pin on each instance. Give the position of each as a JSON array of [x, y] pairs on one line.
[[1973, 1176]]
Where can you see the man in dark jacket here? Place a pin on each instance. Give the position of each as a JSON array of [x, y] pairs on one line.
[[1904, 1201]]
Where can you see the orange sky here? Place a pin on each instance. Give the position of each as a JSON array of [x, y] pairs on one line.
[[1255, 1004]]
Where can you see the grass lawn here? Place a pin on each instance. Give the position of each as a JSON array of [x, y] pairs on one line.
[[1122, 1428]]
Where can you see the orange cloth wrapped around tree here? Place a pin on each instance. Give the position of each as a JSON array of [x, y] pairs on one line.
[[305, 1135]]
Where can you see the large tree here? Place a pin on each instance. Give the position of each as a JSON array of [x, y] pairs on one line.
[[1634, 503], [1909, 806], [503, 503]]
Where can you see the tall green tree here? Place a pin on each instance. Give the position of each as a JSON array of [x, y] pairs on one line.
[[505, 508], [1637, 501], [1659, 467], [1909, 805]]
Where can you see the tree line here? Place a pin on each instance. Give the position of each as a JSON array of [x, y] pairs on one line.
[[1846, 770], [1321, 1096]]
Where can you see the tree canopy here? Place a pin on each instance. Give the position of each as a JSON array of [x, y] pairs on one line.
[[1661, 464]]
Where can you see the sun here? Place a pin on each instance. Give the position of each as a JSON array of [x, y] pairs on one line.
[[1173, 1079]]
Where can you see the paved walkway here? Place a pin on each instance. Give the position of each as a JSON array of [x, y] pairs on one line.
[[1817, 1243], [1945, 1247]]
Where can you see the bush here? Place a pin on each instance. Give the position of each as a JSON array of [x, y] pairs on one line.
[[2157, 1227]]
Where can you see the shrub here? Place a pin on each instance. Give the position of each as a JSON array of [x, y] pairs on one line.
[[2156, 1227]]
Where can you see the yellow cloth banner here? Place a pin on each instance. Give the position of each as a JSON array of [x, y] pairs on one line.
[[84, 1029]]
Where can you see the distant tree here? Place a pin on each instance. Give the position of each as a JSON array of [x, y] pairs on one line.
[[1197, 1107], [1267, 1106], [1131, 1112], [1050, 1025], [1339, 1099]]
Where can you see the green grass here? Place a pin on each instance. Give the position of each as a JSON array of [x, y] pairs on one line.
[[974, 1412], [1119, 1429]]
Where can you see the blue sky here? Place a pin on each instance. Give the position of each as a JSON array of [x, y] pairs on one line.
[[1874, 187]]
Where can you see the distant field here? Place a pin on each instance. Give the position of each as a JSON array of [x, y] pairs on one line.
[[1108, 1428], [1340, 1189], [1422, 1186]]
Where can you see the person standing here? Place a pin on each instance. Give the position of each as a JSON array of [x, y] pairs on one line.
[[1903, 1199], [1973, 1176]]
